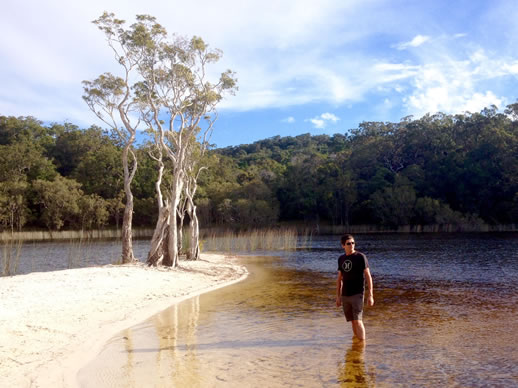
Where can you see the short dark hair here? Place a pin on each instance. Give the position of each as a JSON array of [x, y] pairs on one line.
[[346, 237]]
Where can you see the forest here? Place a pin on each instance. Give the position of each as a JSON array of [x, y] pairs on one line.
[[439, 169]]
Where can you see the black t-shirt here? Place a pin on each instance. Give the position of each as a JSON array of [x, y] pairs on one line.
[[352, 268]]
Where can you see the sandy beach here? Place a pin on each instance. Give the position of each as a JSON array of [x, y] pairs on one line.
[[53, 323]]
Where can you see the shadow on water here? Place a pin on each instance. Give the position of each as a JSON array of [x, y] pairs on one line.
[[280, 328]]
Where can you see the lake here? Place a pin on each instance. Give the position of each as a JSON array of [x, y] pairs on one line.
[[42, 256], [445, 315]]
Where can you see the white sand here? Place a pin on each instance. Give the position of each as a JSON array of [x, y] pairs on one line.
[[54, 323]]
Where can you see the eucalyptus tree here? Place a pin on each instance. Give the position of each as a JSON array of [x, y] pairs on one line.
[[166, 86], [112, 100], [180, 110], [193, 169]]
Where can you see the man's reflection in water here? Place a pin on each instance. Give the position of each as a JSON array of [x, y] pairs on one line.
[[352, 373]]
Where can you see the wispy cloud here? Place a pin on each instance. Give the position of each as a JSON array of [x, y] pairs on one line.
[[454, 85], [289, 120], [321, 121], [289, 53], [416, 42], [329, 117]]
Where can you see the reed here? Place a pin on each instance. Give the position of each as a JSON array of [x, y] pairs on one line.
[[283, 239], [11, 252], [76, 251], [305, 238], [466, 227], [45, 235], [79, 250]]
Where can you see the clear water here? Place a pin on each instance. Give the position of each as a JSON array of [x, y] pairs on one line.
[[53, 256], [445, 315]]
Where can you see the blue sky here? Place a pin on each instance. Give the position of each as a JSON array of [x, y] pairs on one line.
[[302, 66]]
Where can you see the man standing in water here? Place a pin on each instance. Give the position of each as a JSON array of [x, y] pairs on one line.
[[353, 271]]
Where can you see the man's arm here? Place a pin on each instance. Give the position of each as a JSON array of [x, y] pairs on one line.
[[370, 292], [339, 289]]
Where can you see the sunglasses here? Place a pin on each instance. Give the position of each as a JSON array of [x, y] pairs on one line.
[[350, 243]]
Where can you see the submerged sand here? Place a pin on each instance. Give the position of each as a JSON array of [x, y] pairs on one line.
[[53, 323]]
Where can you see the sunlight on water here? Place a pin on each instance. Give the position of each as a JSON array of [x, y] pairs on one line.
[[280, 328]]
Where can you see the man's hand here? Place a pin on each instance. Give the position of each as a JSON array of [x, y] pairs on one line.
[[370, 300], [338, 301]]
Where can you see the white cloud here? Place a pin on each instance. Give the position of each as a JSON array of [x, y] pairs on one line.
[[321, 121], [416, 42], [57, 46], [285, 53], [511, 68], [452, 86], [329, 117], [317, 123], [439, 99], [289, 120], [384, 73], [479, 101]]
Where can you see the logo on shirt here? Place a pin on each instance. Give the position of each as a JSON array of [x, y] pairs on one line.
[[347, 265]]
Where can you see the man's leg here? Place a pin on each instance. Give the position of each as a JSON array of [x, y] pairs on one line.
[[357, 321], [358, 329]]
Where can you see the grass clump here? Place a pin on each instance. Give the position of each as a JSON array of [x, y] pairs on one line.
[[11, 251], [273, 239]]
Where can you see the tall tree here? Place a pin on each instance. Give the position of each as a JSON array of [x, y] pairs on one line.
[[180, 108], [170, 93], [112, 99]]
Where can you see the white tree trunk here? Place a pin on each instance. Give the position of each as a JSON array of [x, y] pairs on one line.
[[127, 220], [172, 243], [180, 235], [194, 227], [158, 251], [181, 216], [190, 208], [127, 238]]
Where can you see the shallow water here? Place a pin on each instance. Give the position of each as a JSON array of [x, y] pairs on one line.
[[52, 256], [445, 315]]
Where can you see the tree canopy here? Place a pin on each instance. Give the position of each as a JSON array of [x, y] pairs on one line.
[[434, 170]]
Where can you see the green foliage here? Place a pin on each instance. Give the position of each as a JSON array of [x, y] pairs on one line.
[[93, 211], [58, 200], [24, 160], [14, 209], [25, 130], [432, 211], [394, 205], [440, 169], [115, 207], [146, 211]]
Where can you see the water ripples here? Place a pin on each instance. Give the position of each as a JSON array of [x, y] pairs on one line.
[[280, 328]]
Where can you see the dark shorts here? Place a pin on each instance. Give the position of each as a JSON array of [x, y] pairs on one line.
[[353, 307]]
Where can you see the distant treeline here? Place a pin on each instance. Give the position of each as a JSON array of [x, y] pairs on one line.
[[440, 169]]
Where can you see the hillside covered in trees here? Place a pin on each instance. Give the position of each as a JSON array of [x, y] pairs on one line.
[[440, 169]]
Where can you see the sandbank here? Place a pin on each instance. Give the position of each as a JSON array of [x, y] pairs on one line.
[[54, 323]]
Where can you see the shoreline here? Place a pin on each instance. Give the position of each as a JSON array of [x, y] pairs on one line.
[[145, 233], [53, 323]]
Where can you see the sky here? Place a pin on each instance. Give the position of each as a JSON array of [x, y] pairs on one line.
[[303, 66]]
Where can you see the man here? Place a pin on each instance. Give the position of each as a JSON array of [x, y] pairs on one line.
[[353, 271]]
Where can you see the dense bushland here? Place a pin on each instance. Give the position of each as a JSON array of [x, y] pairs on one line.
[[440, 169]]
